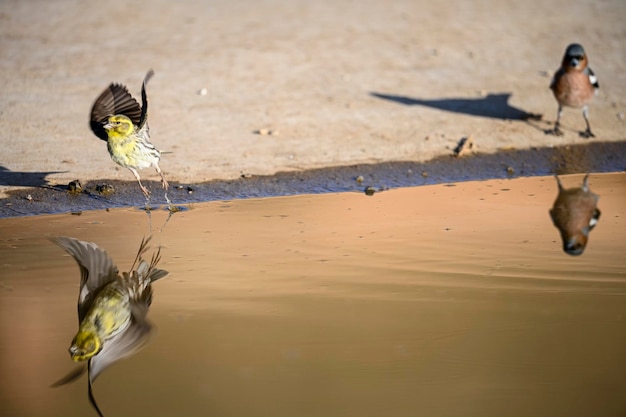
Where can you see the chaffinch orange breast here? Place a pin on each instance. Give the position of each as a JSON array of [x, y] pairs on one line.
[[574, 85]]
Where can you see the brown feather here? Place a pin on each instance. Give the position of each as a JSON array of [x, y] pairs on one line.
[[115, 100]]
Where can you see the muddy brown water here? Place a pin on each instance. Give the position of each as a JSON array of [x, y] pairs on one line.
[[431, 301]]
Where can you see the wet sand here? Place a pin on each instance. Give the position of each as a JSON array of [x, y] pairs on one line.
[[442, 300], [597, 157]]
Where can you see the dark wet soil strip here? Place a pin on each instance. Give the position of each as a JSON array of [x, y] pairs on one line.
[[97, 195]]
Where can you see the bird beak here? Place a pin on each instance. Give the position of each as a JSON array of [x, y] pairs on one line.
[[574, 62], [576, 245], [73, 351], [107, 126]]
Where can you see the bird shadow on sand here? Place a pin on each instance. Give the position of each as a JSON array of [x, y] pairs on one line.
[[494, 106], [24, 179]]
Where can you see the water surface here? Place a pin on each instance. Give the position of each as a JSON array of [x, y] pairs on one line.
[[435, 301]]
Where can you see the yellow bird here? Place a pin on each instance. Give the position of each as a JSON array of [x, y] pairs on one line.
[[112, 308], [117, 118]]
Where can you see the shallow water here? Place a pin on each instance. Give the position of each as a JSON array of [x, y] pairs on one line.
[[436, 301]]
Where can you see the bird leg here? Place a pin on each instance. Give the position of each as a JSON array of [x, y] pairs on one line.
[[556, 131], [165, 186], [163, 180], [145, 191], [587, 133]]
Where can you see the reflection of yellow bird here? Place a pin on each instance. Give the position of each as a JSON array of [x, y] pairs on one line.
[[112, 308], [117, 118], [575, 213]]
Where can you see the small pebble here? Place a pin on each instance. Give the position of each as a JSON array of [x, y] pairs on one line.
[[75, 187], [465, 146], [266, 132], [105, 189]]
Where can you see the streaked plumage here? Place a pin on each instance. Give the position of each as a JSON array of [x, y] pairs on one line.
[[117, 118], [575, 214], [112, 308]]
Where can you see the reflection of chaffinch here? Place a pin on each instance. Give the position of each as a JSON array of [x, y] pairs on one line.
[[575, 213], [574, 85]]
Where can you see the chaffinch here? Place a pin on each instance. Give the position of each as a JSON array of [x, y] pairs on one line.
[[574, 85]]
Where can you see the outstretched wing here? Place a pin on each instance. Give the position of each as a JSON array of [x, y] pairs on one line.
[[96, 269], [144, 100], [114, 100]]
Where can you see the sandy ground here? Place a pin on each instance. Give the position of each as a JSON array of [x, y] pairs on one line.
[[337, 304], [337, 82]]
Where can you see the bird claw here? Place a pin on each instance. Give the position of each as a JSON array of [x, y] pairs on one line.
[[556, 132], [587, 134], [532, 116]]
